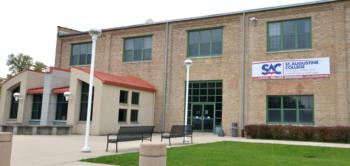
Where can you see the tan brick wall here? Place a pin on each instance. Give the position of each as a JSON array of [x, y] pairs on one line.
[[330, 96], [330, 38]]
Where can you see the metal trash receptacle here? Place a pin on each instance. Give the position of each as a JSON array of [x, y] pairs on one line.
[[234, 129]]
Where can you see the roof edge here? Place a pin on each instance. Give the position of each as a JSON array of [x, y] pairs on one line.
[[211, 16]]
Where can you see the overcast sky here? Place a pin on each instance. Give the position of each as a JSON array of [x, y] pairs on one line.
[[29, 26]]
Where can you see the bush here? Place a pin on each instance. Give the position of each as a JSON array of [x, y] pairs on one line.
[[340, 134]]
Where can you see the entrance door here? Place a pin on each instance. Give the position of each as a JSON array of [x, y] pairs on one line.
[[203, 116]]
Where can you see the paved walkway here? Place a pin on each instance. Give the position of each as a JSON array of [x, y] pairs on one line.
[[65, 150]]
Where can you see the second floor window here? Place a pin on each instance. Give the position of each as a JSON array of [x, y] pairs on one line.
[[137, 49], [206, 42], [289, 35], [81, 54]]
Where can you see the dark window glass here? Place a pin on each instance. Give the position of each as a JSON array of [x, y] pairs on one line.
[[206, 42], [135, 98], [36, 106], [274, 115], [81, 54], [289, 35], [134, 115], [290, 115], [14, 104], [204, 92], [294, 109], [290, 102], [274, 102], [122, 115], [137, 49], [84, 101], [61, 108], [123, 97]]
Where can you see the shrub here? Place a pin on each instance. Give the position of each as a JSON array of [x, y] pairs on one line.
[[339, 134]]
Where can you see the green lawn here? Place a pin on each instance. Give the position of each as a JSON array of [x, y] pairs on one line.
[[234, 153]]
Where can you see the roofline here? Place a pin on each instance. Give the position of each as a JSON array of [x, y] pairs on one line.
[[211, 16], [26, 70]]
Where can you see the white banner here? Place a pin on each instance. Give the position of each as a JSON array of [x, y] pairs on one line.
[[291, 68]]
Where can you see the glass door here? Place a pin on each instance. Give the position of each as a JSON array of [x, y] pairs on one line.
[[203, 115]]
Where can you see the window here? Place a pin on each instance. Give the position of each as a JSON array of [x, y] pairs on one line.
[[137, 49], [134, 115], [122, 115], [123, 97], [36, 107], [81, 54], [289, 35], [84, 101], [14, 104], [290, 109], [61, 108], [135, 98], [206, 92], [206, 42]]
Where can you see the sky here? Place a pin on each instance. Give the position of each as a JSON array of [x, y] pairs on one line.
[[30, 26]]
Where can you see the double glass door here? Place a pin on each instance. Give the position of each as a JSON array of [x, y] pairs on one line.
[[203, 116]]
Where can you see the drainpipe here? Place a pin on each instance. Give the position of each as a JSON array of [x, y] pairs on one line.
[[242, 91], [165, 83]]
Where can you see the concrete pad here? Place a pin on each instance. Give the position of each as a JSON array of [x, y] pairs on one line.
[[36, 150]]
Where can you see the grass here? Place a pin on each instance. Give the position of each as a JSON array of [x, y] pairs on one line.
[[243, 154]]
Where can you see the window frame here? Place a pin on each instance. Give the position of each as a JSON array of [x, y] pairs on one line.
[[282, 35], [71, 53], [127, 97], [137, 115], [14, 115], [126, 115], [61, 103], [133, 50], [211, 42], [282, 122], [81, 103], [138, 98], [38, 104]]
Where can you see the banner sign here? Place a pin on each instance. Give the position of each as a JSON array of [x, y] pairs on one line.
[[291, 68]]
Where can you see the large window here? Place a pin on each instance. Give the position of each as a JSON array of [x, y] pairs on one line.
[[290, 109], [81, 54], [135, 98], [61, 108], [123, 97], [14, 104], [36, 107], [84, 101], [289, 35], [122, 115], [134, 115], [206, 92], [137, 49], [206, 42]]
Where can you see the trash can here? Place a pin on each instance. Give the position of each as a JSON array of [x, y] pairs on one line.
[[219, 131], [234, 129]]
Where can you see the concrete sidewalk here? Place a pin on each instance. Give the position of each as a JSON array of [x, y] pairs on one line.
[[65, 150]]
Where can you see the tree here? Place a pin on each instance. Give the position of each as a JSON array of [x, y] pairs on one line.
[[39, 66], [19, 62]]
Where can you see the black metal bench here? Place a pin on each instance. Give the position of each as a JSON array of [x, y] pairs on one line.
[[178, 131], [130, 133]]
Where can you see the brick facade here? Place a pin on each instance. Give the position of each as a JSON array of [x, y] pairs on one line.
[[330, 38]]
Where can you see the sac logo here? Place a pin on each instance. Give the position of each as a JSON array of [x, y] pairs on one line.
[[271, 69]]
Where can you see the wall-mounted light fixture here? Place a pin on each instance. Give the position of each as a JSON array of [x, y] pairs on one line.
[[17, 96], [253, 20], [67, 95]]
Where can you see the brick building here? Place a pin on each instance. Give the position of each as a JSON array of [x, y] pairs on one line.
[[304, 48]]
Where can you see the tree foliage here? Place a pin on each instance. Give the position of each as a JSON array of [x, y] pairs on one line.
[[20, 62]]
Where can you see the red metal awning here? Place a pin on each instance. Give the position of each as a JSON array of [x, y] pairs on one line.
[[33, 91], [60, 90]]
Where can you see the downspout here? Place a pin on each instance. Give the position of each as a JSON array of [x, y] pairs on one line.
[[242, 91], [165, 83]]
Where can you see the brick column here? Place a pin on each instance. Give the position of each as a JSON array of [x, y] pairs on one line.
[[5, 148]]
